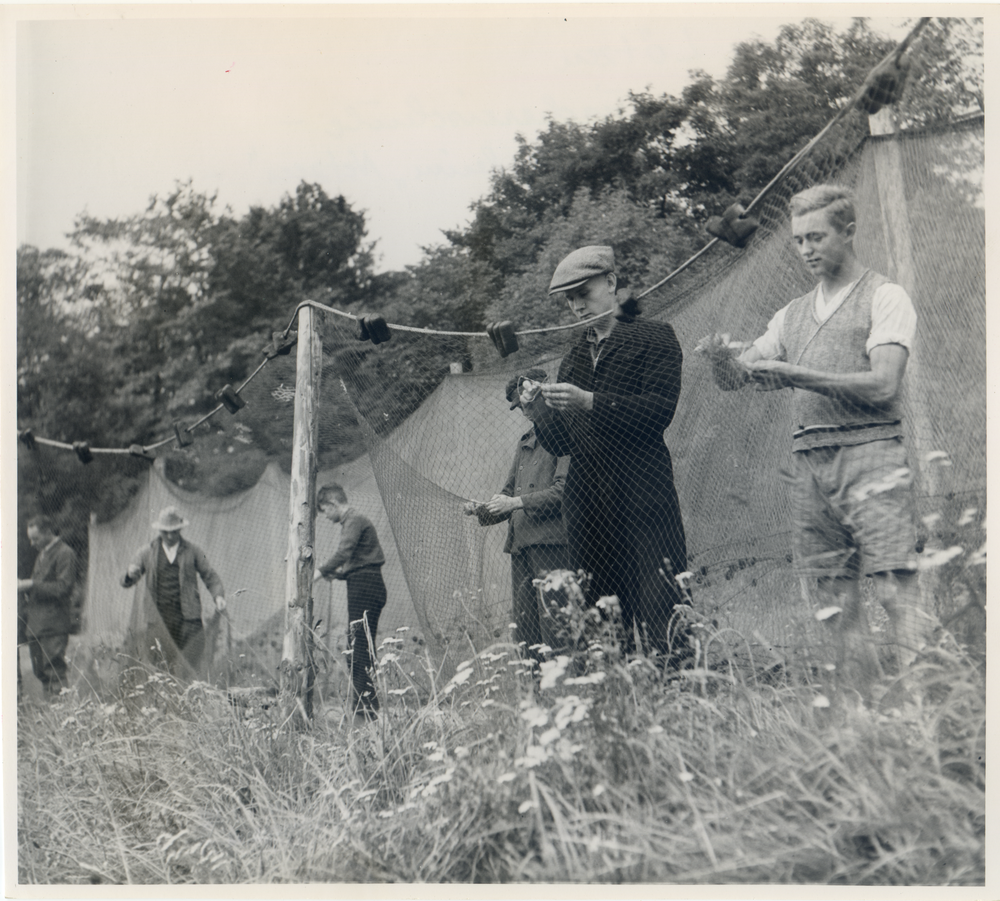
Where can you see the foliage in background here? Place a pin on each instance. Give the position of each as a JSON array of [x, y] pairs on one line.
[[146, 317]]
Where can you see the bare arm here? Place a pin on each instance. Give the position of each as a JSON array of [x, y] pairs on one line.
[[875, 387]]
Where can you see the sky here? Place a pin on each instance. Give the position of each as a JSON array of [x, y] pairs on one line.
[[406, 114]]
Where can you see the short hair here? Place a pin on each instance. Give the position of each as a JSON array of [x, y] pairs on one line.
[[44, 524], [329, 493], [837, 201]]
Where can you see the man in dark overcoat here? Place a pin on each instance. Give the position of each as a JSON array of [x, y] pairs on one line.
[[45, 614], [615, 395]]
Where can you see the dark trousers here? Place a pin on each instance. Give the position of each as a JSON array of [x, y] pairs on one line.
[[626, 559], [534, 623], [48, 663], [191, 640], [365, 599]]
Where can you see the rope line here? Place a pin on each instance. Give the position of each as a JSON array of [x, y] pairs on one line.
[[890, 58]]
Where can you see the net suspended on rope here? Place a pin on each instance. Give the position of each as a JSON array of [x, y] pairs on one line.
[[433, 411]]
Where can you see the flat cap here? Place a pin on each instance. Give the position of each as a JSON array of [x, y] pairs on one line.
[[535, 374], [581, 265]]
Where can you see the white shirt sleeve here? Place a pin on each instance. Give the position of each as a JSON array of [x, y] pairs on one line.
[[894, 319], [769, 344]]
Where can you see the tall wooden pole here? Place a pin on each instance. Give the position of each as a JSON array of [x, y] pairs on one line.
[[297, 669], [896, 226]]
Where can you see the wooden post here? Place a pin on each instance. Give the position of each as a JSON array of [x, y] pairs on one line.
[[297, 669], [896, 226]]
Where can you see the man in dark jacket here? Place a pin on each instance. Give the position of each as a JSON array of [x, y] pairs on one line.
[[44, 618], [531, 503], [358, 560], [615, 395], [172, 603]]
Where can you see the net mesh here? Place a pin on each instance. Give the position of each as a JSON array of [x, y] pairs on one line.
[[434, 414]]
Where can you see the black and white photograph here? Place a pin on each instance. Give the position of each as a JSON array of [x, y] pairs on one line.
[[536, 446]]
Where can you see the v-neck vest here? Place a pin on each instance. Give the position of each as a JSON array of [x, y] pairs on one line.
[[835, 345]]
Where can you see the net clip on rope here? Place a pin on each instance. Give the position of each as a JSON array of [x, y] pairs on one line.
[[27, 437], [83, 451], [373, 328], [503, 337], [230, 399], [884, 85], [137, 450], [183, 437], [734, 226], [281, 345]]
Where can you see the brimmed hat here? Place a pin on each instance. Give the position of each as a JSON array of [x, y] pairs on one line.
[[169, 520], [535, 374], [581, 266]]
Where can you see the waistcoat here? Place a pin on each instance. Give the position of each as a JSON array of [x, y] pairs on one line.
[[837, 345]]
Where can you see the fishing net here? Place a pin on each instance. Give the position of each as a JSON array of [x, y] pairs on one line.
[[433, 411]]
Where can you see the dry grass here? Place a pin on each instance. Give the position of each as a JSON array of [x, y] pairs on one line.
[[617, 774]]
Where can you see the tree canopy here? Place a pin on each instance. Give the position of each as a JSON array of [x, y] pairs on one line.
[[142, 320]]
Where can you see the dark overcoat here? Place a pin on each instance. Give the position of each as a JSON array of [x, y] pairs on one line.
[[622, 515], [49, 602]]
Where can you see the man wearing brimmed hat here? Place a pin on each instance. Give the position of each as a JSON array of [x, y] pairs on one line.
[[531, 504], [614, 397], [172, 602]]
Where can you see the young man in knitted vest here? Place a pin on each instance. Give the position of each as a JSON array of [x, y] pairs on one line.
[[842, 349]]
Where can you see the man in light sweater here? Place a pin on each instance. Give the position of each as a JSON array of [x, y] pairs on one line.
[[842, 349]]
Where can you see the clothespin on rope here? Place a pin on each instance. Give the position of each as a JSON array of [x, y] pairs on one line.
[[27, 438], [884, 84], [372, 327], [281, 344], [137, 450], [734, 226], [183, 437], [503, 337], [230, 399], [83, 451]]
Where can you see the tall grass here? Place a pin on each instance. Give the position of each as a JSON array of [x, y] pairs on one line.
[[597, 769]]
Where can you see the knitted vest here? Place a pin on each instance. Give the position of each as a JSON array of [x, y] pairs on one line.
[[837, 345]]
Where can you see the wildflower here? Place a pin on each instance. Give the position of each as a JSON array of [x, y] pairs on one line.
[[930, 519], [436, 757], [685, 776], [598, 790], [978, 558], [591, 679], [549, 736], [939, 558], [534, 715], [526, 806], [571, 710], [461, 752], [506, 777], [829, 667], [400, 691], [387, 658], [431, 787], [403, 629], [968, 515], [429, 745], [532, 757], [821, 701], [460, 678], [489, 702], [827, 612], [609, 604], [552, 670], [901, 476], [655, 730]]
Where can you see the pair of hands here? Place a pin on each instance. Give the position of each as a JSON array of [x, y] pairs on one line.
[[728, 359], [498, 505], [134, 573]]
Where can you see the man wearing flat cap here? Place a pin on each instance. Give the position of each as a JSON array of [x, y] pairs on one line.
[[172, 603], [530, 502], [614, 398]]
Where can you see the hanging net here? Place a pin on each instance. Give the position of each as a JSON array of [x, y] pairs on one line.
[[434, 413]]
